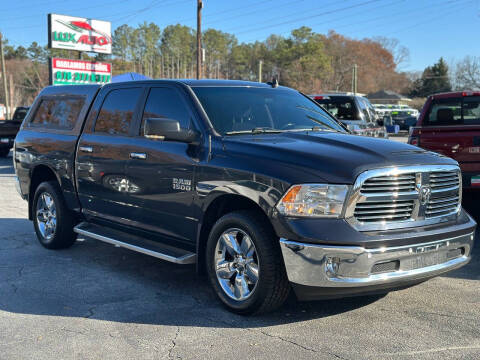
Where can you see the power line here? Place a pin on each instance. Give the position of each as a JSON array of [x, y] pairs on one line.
[[412, 12], [78, 9], [428, 21], [308, 17], [239, 15], [273, 19], [341, 18]]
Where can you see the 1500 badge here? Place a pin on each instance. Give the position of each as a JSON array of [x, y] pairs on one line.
[[182, 184]]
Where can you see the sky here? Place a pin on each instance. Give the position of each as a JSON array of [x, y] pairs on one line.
[[428, 28]]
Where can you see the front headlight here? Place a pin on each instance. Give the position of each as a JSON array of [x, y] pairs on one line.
[[313, 200]]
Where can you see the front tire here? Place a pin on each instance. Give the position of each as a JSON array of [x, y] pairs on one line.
[[52, 220], [245, 265]]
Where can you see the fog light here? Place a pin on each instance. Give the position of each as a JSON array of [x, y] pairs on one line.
[[332, 265]]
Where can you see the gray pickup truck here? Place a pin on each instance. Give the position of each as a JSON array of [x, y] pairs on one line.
[[254, 183]]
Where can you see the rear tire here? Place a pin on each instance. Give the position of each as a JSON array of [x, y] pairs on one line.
[[52, 220], [245, 265]]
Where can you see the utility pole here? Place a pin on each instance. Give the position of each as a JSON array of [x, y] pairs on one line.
[[4, 77], [354, 79], [260, 70], [199, 38]]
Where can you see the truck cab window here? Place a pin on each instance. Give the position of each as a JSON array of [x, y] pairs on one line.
[[116, 114], [58, 113], [445, 112], [166, 103]]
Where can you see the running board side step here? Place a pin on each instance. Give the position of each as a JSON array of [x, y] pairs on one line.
[[136, 243]]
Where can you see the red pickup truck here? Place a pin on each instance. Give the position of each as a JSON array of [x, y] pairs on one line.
[[450, 125]]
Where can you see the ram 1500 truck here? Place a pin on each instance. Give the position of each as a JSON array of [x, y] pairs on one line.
[[255, 183]]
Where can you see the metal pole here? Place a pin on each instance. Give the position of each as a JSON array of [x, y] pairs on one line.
[[260, 71], [199, 38], [4, 77], [354, 80]]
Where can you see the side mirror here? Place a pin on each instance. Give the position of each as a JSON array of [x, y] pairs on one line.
[[168, 130]]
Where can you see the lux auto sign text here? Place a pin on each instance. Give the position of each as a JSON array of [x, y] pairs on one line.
[[81, 34]]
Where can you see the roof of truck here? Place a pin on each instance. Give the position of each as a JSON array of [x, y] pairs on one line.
[[202, 82], [93, 88], [452, 94]]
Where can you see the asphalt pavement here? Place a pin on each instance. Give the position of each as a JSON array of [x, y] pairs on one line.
[[95, 301]]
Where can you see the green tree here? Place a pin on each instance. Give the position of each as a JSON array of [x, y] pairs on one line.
[[435, 79], [177, 50], [218, 46], [149, 37], [121, 41], [37, 53]]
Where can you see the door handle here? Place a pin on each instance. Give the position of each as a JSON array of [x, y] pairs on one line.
[[140, 156], [87, 149]]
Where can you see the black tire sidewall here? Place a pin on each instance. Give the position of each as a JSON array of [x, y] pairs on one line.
[[64, 236], [240, 221]]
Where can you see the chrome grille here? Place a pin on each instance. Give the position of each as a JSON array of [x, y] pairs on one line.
[[373, 211], [442, 205], [444, 180], [391, 184], [404, 197]]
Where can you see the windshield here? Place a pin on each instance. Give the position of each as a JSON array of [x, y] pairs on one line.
[[234, 110], [20, 114], [342, 107]]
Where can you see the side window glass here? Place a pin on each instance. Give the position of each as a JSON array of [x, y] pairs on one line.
[[445, 112], [471, 110], [58, 113], [166, 103], [116, 113], [363, 108]]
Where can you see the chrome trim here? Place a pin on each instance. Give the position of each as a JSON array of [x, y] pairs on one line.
[[137, 155], [185, 259], [418, 216], [87, 149], [350, 266], [18, 188]]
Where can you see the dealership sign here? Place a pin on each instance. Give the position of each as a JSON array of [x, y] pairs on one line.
[[81, 34], [78, 72]]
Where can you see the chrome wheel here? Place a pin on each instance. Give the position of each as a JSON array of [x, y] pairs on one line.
[[46, 216], [236, 264]]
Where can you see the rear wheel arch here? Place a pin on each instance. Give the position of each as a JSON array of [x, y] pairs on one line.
[[217, 208], [39, 174]]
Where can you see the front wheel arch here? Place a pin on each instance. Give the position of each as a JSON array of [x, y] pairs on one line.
[[217, 208]]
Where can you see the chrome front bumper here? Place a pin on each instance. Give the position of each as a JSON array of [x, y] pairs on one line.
[[349, 266]]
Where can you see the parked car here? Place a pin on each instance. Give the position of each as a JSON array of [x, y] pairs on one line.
[[354, 111], [381, 110], [450, 125], [404, 122], [9, 129], [255, 183]]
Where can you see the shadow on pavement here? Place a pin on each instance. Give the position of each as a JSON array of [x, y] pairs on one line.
[[97, 280], [471, 203], [6, 166]]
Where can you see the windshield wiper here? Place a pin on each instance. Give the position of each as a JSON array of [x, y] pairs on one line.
[[256, 130], [315, 128]]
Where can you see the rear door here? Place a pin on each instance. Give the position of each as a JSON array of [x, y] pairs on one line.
[[102, 183], [164, 170]]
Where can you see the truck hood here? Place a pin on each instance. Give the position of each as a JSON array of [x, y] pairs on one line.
[[324, 156]]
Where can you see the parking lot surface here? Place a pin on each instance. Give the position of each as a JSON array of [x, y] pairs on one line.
[[95, 301]]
